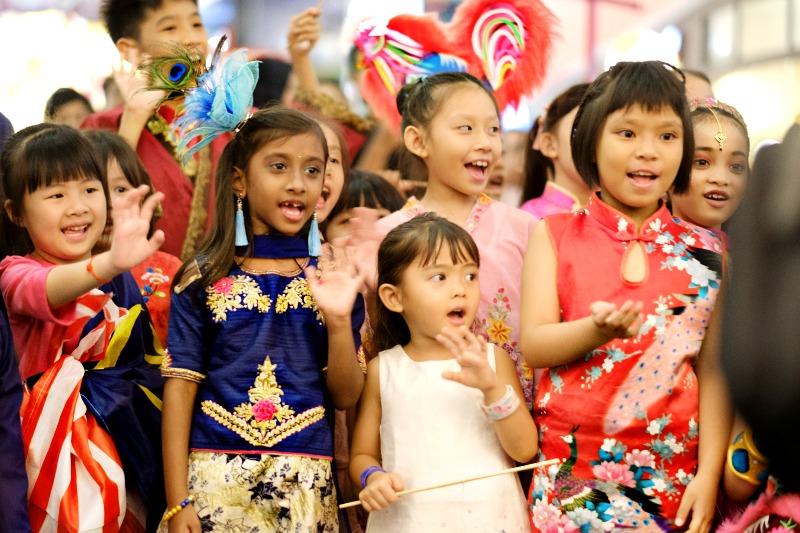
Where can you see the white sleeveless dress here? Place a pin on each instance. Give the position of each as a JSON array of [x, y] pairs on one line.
[[433, 431]]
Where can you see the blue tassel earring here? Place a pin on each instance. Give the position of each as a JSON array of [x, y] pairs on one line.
[[241, 233], [314, 242]]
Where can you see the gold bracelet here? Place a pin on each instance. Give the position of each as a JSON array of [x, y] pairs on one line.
[[175, 510]]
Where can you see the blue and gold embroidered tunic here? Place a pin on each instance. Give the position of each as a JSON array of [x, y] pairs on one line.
[[258, 347]]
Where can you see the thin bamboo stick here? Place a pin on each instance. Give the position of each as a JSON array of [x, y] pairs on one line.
[[467, 480]]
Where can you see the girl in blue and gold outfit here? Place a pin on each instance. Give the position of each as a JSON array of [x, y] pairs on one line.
[[261, 345]]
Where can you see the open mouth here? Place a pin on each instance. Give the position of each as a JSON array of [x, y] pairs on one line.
[[716, 196], [477, 169], [456, 316], [292, 210], [75, 231], [642, 177]]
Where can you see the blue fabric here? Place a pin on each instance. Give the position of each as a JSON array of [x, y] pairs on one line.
[[13, 504], [114, 396], [275, 247], [229, 351]]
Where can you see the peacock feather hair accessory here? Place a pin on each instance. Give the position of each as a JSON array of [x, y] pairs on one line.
[[217, 99], [175, 72]]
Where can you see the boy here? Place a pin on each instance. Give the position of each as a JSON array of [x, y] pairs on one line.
[[142, 29]]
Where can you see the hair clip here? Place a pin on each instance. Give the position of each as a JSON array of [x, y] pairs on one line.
[[241, 123]]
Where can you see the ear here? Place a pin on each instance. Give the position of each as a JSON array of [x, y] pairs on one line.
[[8, 205], [238, 182], [391, 296], [129, 50], [548, 144], [414, 140]]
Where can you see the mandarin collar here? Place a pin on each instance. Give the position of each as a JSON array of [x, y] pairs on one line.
[[622, 226]]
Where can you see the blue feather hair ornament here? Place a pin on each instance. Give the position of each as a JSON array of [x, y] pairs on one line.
[[222, 99]]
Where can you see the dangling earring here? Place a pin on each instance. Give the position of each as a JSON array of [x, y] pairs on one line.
[[241, 233], [314, 242]]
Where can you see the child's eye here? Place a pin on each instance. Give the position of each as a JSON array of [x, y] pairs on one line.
[[739, 167], [471, 277], [56, 196], [91, 190], [628, 134], [313, 170], [333, 161], [169, 28], [669, 136], [120, 189], [701, 162], [278, 166], [438, 277], [494, 129], [465, 128]]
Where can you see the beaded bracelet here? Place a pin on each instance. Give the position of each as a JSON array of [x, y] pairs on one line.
[[502, 408], [368, 472], [175, 510], [90, 270]]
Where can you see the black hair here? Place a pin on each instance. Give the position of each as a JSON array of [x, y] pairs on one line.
[[110, 145], [712, 111], [419, 102], [649, 84], [538, 167], [273, 76], [61, 97], [217, 251], [421, 239], [123, 18], [367, 189], [40, 156]]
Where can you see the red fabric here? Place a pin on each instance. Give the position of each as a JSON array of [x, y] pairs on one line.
[[154, 277], [166, 176], [627, 412]]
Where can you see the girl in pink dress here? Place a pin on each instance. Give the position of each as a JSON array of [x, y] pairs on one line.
[[617, 300], [451, 131], [552, 185]]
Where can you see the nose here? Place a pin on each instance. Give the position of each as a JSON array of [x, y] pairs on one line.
[[719, 177], [458, 287], [297, 183], [78, 204], [646, 147], [193, 37]]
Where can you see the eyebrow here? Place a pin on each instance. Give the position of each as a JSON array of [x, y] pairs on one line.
[[286, 155]]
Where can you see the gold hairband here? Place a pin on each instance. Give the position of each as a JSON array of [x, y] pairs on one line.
[[720, 135]]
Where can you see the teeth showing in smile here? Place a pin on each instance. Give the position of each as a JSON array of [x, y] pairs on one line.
[[482, 164], [75, 229], [716, 197], [641, 175]]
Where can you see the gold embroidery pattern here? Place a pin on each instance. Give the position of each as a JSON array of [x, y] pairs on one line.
[[266, 420], [168, 372], [298, 294], [235, 292]]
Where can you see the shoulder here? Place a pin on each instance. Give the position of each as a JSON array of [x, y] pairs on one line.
[[108, 119], [512, 215], [22, 264]]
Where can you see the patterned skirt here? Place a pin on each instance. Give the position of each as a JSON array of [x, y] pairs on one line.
[[261, 493]]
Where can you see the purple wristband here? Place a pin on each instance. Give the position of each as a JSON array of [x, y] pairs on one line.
[[367, 472]]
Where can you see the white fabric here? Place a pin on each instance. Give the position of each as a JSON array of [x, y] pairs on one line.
[[433, 431]]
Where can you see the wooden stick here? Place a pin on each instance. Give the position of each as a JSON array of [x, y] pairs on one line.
[[467, 480]]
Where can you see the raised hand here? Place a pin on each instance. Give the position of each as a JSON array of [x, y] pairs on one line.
[[129, 243], [132, 84], [336, 289], [617, 323], [363, 242], [304, 31], [469, 351]]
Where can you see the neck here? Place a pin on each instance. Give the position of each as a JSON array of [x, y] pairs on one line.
[[423, 348], [577, 189], [637, 214], [448, 203]]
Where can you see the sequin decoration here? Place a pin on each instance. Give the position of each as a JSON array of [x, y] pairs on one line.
[[265, 420], [235, 292]]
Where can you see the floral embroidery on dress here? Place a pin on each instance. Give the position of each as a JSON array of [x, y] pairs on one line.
[[153, 277], [499, 333], [265, 420], [235, 292], [297, 294]]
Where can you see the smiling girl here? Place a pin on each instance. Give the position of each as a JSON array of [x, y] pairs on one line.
[[84, 340], [260, 349], [616, 302]]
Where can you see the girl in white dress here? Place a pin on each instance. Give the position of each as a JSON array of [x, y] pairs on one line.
[[439, 404]]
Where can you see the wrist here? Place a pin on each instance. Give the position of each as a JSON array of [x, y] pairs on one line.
[[368, 472], [172, 511], [502, 408], [101, 268], [493, 392]]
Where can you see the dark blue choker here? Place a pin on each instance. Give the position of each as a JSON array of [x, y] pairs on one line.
[[275, 247]]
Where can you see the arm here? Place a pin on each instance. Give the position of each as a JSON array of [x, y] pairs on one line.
[[517, 432], [715, 421], [139, 103], [179, 395], [304, 31], [129, 247], [365, 451], [336, 295], [545, 340]]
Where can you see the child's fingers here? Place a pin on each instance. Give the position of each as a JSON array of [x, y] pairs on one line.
[[157, 239], [684, 508], [150, 205]]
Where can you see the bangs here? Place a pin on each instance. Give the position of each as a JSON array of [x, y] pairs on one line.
[[54, 157], [651, 88], [438, 236]]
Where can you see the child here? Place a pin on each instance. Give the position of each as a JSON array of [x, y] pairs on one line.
[[337, 169], [364, 189], [67, 106], [720, 167], [125, 172], [143, 29], [416, 424], [552, 185], [451, 131], [260, 350], [617, 299], [91, 418]]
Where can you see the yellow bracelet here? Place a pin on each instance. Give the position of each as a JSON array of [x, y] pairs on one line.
[[175, 510]]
